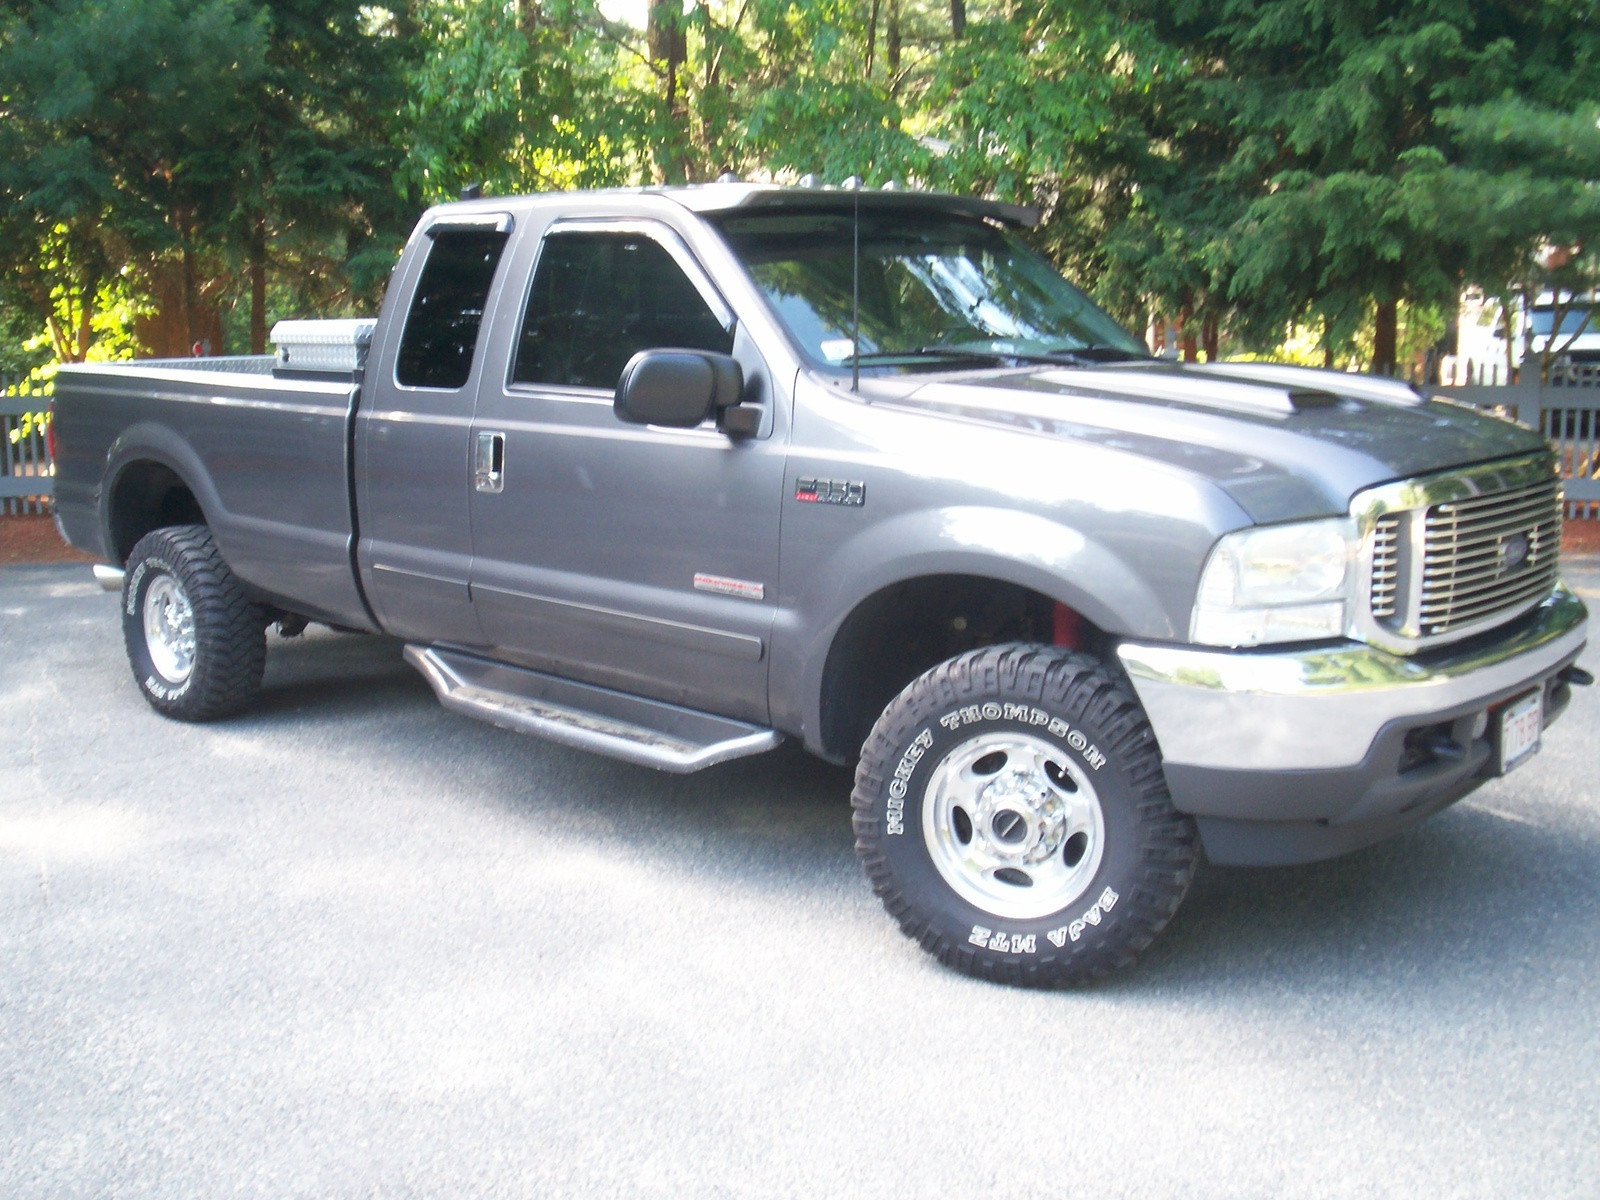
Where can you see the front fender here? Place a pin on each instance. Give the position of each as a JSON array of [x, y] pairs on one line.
[[1005, 545]]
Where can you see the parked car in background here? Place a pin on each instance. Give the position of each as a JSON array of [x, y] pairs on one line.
[[1564, 328]]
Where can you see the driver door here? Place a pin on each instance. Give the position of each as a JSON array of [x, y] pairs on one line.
[[636, 557]]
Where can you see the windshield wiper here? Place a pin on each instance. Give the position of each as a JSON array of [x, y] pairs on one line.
[[1060, 356], [950, 352], [1098, 352]]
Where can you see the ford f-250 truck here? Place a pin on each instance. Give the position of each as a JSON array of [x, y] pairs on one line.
[[671, 474]]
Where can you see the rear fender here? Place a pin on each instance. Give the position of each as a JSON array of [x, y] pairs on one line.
[[148, 441]]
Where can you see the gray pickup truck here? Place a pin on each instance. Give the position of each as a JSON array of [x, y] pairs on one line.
[[672, 474]]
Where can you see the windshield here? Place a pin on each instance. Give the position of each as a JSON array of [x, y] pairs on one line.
[[1575, 320], [934, 288]]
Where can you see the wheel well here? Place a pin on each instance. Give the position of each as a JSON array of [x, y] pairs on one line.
[[148, 496], [898, 633]]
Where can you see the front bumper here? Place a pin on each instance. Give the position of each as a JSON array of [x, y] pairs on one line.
[[1294, 755]]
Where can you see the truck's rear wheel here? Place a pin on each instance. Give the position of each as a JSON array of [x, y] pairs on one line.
[[1012, 814], [196, 641]]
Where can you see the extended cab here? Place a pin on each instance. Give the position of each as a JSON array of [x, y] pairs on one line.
[[673, 474]]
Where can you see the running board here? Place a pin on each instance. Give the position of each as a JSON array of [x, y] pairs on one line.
[[648, 732]]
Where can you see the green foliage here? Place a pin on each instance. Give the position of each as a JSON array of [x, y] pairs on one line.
[[28, 424], [1245, 166]]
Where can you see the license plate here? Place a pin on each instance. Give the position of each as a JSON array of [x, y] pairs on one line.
[[1520, 724]]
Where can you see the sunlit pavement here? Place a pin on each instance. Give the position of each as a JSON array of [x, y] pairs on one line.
[[353, 945]]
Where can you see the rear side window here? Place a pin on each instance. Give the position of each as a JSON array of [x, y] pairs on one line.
[[600, 298], [447, 310]]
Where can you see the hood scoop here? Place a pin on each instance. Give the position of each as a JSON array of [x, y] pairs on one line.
[[1359, 387], [1181, 385]]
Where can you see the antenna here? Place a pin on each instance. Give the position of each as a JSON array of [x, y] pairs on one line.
[[855, 289]]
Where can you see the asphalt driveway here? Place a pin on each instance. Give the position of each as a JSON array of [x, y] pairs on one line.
[[353, 945]]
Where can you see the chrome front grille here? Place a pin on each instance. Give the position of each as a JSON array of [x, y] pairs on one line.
[[1489, 555], [1385, 591], [1449, 555]]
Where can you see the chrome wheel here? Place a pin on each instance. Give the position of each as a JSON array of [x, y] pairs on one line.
[[169, 629], [1013, 824]]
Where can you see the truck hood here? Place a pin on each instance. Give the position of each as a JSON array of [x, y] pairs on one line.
[[1285, 443]]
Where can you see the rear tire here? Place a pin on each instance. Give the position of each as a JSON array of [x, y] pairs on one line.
[[1013, 817], [196, 641]]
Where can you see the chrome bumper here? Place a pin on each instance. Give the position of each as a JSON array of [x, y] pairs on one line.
[[1298, 710]]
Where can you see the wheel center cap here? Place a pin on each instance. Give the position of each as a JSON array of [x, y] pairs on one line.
[[1020, 815], [1009, 826]]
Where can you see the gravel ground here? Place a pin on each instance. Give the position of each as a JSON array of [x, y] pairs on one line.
[[352, 945]]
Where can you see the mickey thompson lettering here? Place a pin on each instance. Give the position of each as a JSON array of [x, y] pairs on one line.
[[1026, 715], [897, 786]]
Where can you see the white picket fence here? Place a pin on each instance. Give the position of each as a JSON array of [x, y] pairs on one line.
[[27, 476], [1567, 412]]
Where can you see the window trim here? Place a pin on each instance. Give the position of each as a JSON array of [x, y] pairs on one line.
[[502, 223], [657, 231]]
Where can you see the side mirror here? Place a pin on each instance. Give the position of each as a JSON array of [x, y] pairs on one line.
[[680, 388]]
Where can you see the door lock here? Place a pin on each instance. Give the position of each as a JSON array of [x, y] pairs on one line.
[[489, 462]]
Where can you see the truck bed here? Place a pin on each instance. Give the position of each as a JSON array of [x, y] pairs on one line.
[[268, 457]]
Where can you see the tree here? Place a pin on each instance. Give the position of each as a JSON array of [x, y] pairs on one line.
[[318, 165], [119, 143], [1525, 180], [1342, 113]]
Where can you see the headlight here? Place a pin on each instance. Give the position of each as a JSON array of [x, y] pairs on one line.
[[1279, 583]]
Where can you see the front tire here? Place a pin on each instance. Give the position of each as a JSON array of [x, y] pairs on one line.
[[196, 641], [1013, 817]]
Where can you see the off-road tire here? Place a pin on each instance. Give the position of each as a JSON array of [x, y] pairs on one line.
[[1062, 706], [229, 629]]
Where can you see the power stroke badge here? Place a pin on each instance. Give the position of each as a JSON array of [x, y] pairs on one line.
[[852, 493]]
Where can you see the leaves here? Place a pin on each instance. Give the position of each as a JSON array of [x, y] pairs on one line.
[[1245, 163]]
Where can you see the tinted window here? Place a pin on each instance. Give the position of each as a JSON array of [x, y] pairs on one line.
[[600, 298], [442, 327]]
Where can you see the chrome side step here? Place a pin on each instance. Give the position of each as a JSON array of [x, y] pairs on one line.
[[648, 732], [108, 577]]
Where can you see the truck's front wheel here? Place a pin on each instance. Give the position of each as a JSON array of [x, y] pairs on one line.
[[196, 641], [1012, 814]]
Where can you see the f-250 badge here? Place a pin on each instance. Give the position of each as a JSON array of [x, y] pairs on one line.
[[851, 493]]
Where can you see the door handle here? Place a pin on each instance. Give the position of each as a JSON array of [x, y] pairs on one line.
[[489, 462]]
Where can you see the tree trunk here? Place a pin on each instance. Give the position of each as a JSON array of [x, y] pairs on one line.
[[1211, 338], [872, 35], [958, 19], [892, 38], [668, 46], [527, 17], [1385, 337], [258, 286], [85, 328], [191, 314], [1188, 349]]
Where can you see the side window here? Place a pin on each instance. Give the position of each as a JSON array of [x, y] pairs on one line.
[[600, 298], [442, 327]]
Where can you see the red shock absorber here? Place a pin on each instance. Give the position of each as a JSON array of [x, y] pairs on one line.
[[1065, 627]]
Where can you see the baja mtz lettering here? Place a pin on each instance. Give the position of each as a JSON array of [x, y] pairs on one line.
[[1074, 930], [1012, 943]]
